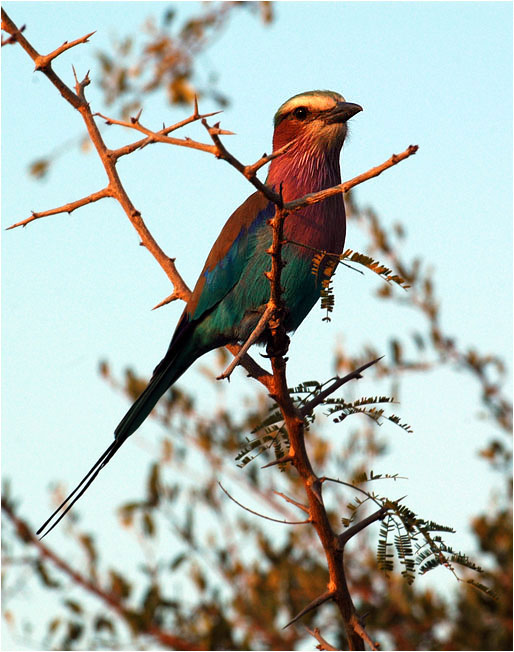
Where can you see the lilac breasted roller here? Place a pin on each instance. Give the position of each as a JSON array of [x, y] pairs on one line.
[[232, 290]]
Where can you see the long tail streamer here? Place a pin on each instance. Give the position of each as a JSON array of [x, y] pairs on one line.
[[68, 503]]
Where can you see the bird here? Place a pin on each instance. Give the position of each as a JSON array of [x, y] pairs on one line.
[[232, 290]]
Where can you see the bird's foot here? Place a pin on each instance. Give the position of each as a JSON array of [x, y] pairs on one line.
[[277, 345]]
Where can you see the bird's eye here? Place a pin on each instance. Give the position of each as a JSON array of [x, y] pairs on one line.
[[300, 112]]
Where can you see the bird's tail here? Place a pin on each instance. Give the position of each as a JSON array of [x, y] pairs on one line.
[[165, 374]]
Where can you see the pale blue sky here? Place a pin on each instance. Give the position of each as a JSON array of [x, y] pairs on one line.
[[78, 288]]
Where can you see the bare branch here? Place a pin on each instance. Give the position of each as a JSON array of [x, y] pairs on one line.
[[323, 644], [67, 208], [268, 518], [315, 197], [64, 90], [155, 136], [128, 149], [223, 153], [43, 61]]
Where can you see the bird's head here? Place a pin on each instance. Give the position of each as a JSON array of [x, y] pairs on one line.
[[315, 119]]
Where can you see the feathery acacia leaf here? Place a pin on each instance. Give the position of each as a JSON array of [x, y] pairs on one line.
[[375, 266]]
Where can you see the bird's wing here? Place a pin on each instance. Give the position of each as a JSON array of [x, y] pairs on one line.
[[229, 256], [223, 268]]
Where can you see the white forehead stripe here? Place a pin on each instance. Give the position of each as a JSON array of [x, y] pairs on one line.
[[313, 102]]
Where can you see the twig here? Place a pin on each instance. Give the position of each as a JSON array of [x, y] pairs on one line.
[[352, 486], [268, 518], [323, 644], [359, 629], [293, 502], [67, 208], [157, 136], [315, 197], [128, 149], [223, 153], [43, 62]]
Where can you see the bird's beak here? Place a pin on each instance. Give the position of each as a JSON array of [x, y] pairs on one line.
[[342, 112]]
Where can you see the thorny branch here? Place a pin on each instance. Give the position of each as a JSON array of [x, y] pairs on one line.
[[276, 384]]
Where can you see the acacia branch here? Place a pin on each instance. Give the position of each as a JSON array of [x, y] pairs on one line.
[[115, 187], [322, 195], [25, 534], [67, 208], [337, 589], [338, 382], [158, 136], [344, 537], [246, 171], [43, 62]]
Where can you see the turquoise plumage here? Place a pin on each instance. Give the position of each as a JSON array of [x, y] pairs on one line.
[[232, 291]]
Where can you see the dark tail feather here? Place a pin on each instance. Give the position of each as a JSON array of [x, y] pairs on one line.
[[86, 481], [145, 402], [160, 382]]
